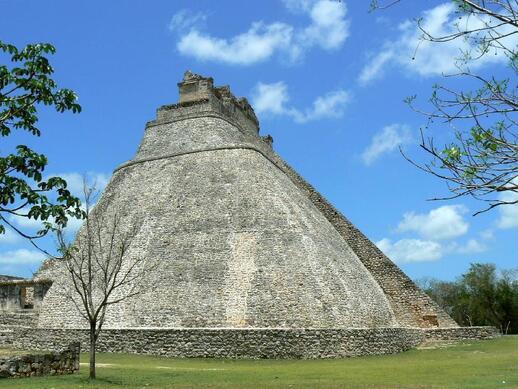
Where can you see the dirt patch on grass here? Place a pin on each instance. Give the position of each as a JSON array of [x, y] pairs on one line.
[[189, 368], [99, 364]]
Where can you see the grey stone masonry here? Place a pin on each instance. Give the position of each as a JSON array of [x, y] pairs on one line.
[[54, 363], [251, 261], [461, 333], [16, 294], [235, 343], [250, 343]]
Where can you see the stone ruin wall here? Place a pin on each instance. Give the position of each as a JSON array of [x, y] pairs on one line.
[[423, 319], [230, 263], [412, 307], [22, 294], [250, 343], [53, 363], [232, 343], [204, 107]]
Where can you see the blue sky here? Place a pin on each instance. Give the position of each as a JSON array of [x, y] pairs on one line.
[[327, 80]]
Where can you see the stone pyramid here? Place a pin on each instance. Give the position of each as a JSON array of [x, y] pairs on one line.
[[245, 243]]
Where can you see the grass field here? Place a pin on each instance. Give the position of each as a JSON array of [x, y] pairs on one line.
[[485, 364]]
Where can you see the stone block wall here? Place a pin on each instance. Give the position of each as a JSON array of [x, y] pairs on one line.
[[18, 294], [411, 306], [461, 333], [233, 343], [54, 363], [250, 343], [18, 318]]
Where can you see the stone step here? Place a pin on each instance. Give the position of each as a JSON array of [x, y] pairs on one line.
[[19, 311], [18, 318]]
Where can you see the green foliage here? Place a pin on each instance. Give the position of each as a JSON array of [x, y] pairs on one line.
[[26, 84], [481, 296], [481, 159]]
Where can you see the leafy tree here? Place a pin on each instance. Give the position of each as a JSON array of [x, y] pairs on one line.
[[25, 85], [482, 161], [481, 296], [450, 297], [507, 290]]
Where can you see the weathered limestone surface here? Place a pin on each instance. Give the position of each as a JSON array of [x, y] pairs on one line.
[[460, 333], [235, 250], [252, 343], [252, 260], [18, 318], [235, 343], [55, 363], [239, 244], [19, 293]]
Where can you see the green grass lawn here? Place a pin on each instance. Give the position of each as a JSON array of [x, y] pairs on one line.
[[484, 364]]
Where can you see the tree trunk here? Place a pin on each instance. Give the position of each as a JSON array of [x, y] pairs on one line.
[[92, 350]]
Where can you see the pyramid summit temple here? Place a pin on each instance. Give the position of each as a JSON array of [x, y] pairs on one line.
[[254, 262]]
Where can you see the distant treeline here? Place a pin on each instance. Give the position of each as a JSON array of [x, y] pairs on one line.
[[482, 296]]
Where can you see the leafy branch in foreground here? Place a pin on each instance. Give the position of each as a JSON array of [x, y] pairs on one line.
[[25, 85], [481, 162], [482, 159]]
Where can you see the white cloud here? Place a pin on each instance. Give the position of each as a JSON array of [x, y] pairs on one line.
[[21, 257], [9, 236], [328, 29], [439, 224], [185, 20], [259, 43], [508, 212], [418, 250], [386, 141], [33, 225], [298, 5], [445, 222], [472, 246], [375, 67], [75, 181], [411, 250], [273, 99], [330, 105], [508, 216], [487, 234], [425, 58]]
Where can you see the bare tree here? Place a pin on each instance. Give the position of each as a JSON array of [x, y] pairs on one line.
[[482, 161], [101, 271]]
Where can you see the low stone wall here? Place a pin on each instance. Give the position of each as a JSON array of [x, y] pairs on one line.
[[233, 343], [55, 363], [460, 333], [248, 343]]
